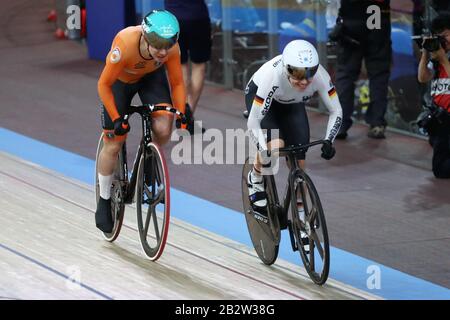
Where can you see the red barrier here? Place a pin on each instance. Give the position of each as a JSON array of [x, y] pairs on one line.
[[83, 23]]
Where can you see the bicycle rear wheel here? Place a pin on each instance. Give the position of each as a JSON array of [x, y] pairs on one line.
[[153, 202], [316, 258], [117, 193], [265, 236]]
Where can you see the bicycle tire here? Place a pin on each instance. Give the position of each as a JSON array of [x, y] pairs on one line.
[[265, 243], [147, 202], [117, 193], [314, 221]]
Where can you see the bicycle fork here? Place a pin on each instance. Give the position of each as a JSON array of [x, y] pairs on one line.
[[131, 187], [291, 193]]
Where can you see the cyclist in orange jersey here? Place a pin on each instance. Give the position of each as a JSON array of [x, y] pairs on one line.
[[135, 65]]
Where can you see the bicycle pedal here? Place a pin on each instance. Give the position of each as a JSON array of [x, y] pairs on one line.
[[316, 224], [305, 243], [283, 220]]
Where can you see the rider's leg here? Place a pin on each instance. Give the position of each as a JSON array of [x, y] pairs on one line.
[[186, 77], [162, 127], [123, 94], [106, 162], [255, 178], [198, 39], [155, 90], [197, 81]]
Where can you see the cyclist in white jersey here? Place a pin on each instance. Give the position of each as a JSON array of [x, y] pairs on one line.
[[275, 98]]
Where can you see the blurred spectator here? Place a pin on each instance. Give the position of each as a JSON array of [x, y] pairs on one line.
[[195, 45], [332, 13], [59, 15], [441, 6], [435, 67], [355, 43]]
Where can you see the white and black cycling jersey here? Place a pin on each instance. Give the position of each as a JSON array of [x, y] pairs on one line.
[[273, 86]]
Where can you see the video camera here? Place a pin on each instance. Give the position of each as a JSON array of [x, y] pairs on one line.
[[432, 118], [432, 42], [338, 34]]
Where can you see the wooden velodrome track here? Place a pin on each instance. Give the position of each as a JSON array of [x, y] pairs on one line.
[[48, 239]]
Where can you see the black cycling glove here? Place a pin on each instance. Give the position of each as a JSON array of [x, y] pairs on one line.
[[328, 151], [188, 115], [121, 127]]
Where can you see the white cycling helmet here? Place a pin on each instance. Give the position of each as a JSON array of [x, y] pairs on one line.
[[300, 59]]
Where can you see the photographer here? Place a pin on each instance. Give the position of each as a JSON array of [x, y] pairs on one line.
[[434, 66], [356, 42]]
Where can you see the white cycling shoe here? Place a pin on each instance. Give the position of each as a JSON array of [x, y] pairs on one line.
[[257, 193], [303, 235]]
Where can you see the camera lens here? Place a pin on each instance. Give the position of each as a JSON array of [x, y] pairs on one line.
[[431, 44]]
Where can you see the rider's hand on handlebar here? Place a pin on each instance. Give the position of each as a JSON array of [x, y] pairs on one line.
[[189, 119], [328, 151], [121, 127], [266, 158], [180, 125]]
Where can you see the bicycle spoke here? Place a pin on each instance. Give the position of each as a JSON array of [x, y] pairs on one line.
[[159, 197], [318, 244], [312, 264], [303, 192], [147, 221], [300, 224], [154, 170], [147, 192], [155, 225], [158, 173], [307, 211], [312, 217]]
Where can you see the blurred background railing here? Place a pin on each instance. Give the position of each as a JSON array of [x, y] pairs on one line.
[[247, 33]]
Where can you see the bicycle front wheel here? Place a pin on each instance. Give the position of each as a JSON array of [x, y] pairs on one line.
[[153, 202], [117, 193], [310, 229]]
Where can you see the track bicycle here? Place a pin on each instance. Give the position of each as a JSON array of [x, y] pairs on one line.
[[308, 233], [148, 185]]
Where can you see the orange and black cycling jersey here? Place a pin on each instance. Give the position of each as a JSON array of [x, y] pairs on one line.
[[125, 63]]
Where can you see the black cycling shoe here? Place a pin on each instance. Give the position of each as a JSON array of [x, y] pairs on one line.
[[342, 135], [103, 217], [376, 132]]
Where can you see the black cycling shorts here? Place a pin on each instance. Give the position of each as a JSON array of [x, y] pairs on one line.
[[290, 119], [152, 89], [195, 40]]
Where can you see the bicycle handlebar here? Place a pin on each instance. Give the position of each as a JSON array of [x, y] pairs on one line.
[[149, 108], [301, 147]]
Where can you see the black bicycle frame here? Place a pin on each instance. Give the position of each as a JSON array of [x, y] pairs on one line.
[[146, 139], [145, 112], [282, 210]]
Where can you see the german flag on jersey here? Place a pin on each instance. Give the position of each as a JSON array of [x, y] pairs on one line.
[[258, 101], [332, 92]]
